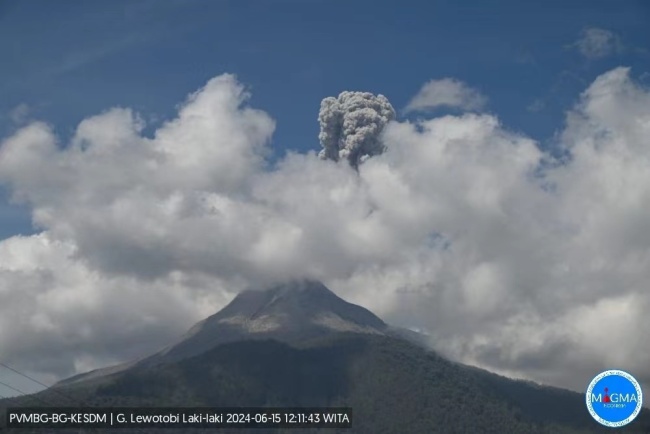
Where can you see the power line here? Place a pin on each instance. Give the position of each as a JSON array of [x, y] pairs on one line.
[[38, 382], [48, 388], [24, 375], [23, 393]]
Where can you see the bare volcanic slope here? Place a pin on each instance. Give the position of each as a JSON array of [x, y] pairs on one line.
[[291, 313], [300, 345]]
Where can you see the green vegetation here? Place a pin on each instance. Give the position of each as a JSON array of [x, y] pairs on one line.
[[392, 386]]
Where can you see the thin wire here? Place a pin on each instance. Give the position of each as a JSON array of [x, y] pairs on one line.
[[23, 393], [38, 382], [24, 375], [49, 388]]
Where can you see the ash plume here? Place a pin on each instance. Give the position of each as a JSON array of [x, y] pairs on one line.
[[350, 126]]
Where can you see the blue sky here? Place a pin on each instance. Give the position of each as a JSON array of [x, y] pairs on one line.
[[67, 59], [521, 254]]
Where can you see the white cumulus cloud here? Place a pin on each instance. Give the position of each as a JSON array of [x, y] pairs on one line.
[[509, 259]]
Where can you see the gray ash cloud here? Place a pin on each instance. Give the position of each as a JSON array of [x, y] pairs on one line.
[[351, 124]]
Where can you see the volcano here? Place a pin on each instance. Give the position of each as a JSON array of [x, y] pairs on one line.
[[291, 313], [300, 345]]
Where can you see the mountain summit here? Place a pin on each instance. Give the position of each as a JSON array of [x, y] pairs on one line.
[[290, 313], [294, 305], [299, 345]]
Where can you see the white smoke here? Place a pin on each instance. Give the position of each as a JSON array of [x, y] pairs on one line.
[[350, 126]]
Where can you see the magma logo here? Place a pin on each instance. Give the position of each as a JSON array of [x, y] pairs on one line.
[[614, 398]]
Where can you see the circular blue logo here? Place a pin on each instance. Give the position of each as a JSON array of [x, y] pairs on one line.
[[614, 398]]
